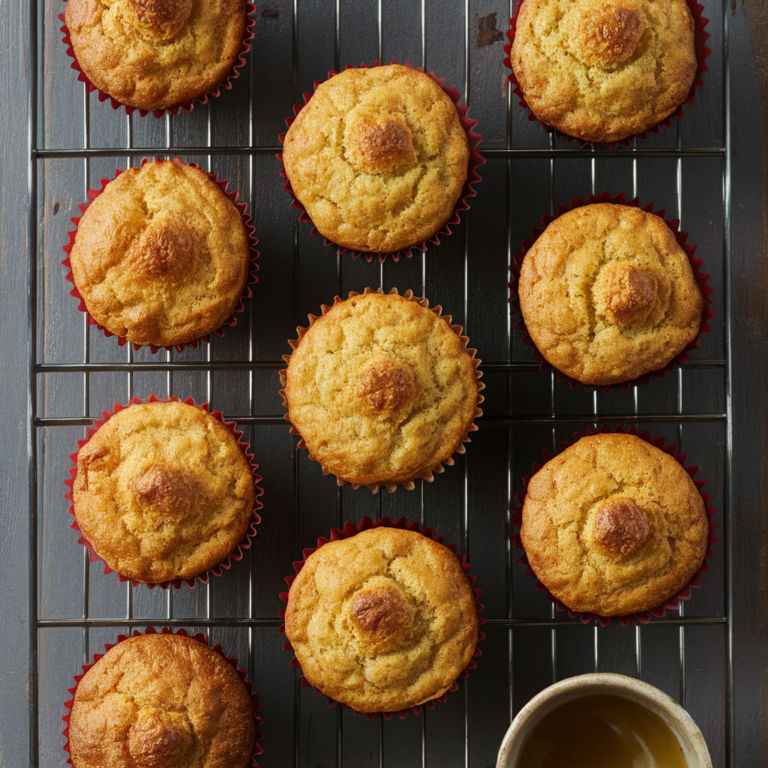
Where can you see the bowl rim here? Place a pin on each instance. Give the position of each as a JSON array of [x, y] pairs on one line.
[[677, 718]]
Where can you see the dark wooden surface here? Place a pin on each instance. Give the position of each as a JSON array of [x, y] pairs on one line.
[[714, 407]]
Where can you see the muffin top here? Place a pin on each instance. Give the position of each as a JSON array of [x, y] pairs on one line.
[[382, 621], [608, 294], [613, 525], [162, 701], [163, 491], [602, 70], [382, 389], [378, 157], [162, 255], [156, 54]]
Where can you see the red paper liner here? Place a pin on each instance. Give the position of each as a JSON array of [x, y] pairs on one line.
[[681, 237], [672, 603], [237, 553], [702, 53], [201, 638], [439, 468], [347, 532], [475, 161], [247, 294], [250, 23]]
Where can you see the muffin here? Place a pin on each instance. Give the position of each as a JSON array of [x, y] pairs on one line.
[[378, 158], [156, 54], [162, 256], [382, 389], [603, 70], [162, 701], [382, 621], [163, 492], [613, 525], [608, 294]]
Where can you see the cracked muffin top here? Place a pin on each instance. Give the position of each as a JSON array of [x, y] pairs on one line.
[[603, 70], [382, 621], [378, 157], [156, 54], [163, 491], [162, 701], [161, 257], [608, 294], [613, 525], [382, 389]]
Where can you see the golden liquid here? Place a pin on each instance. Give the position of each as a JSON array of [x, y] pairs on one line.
[[601, 731]]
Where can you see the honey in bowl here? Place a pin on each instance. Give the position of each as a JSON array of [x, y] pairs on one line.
[[601, 731]]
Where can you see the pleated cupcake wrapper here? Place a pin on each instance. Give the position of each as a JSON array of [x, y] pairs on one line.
[[429, 475], [217, 570], [201, 638], [250, 23], [643, 617], [473, 177], [347, 532], [702, 54], [681, 237], [252, 277]]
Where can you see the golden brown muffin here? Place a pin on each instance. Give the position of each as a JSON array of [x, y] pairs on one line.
[[608, 294], [603, 70], [156, 54], [378, 157], [382, 389], [613, 525], [163, 491], [161, 257], [382, 621], [162, 701]]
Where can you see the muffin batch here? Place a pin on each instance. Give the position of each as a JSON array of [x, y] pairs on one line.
[[381, 389]]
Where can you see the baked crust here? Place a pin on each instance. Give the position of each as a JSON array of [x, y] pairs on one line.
[[163, 492], [382, 390], [161, 257], [378, 157], [608, 294], [603, 70], [613, 525], [382, 621], [156, 54], [161, 701]]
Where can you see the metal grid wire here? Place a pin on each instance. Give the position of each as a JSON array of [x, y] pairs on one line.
[[168, 363]]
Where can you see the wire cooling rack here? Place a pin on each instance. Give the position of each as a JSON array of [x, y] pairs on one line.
[[76, 372]]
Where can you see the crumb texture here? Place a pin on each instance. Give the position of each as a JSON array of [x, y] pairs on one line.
[[162, 701], [378, 157], [156, 54], [382, 621], [163, 491], [381, 389], [161, 257], [608, 294], [603, 70], [613, 525]]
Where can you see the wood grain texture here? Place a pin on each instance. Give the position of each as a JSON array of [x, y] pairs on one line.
[[749, 348], [14, 490]]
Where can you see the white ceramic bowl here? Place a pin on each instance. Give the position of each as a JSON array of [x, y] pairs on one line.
[[681, 723]]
